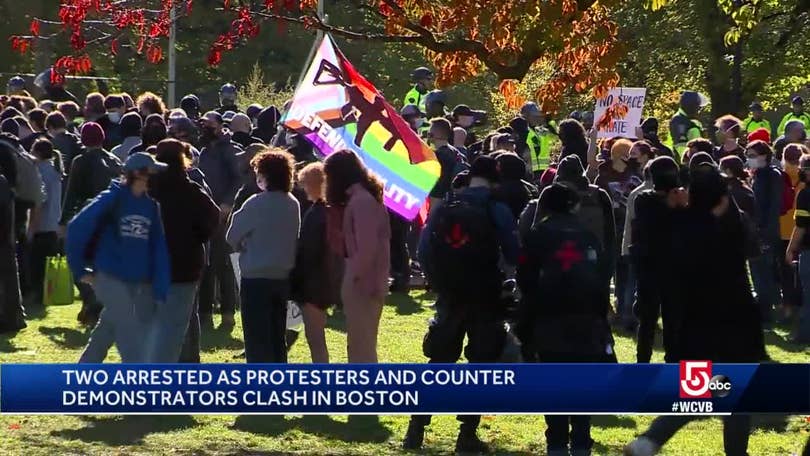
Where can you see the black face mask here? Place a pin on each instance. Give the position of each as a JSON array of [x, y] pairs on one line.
[[633, 163], [804, 175], [209, 133]]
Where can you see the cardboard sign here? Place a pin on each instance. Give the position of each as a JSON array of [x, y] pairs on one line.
[[625, 126]]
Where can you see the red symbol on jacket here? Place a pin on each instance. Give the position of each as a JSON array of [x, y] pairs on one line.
[[568, 255], [457, 238]]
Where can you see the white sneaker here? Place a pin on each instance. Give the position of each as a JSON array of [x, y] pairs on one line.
[[642, 446]]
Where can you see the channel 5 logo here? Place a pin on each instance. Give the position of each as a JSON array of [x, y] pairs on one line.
[[697, 381]]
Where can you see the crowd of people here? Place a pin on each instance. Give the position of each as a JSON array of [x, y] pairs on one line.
[[532, 228]]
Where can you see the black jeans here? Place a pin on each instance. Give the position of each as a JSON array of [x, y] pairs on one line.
[[21, 211], [788, 278], [558, 435], [264, 319], [43, 245], [190, 353], [400, 259], [736, 430], [444, 340], [11, 307], [219, 272], [90, 303]]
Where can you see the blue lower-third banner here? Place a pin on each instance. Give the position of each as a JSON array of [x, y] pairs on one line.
[[691, 387]]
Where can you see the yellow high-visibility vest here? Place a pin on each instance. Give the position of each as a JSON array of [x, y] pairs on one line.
[[539, 149], [416, 98]]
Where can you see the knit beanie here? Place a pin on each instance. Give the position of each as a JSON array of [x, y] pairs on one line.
[[92, 135]]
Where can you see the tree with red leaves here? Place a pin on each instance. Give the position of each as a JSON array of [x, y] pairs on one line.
[[462, 38]]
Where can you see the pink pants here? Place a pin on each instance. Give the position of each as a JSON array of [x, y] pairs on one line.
[[363, 314]]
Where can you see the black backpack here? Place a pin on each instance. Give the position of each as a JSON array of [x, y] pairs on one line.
[[567, 264], [464, 248], [565, 279]]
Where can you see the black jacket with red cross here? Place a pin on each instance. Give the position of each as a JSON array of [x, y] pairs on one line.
[[562, 276]]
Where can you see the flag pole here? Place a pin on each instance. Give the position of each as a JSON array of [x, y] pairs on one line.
[[318, 38]]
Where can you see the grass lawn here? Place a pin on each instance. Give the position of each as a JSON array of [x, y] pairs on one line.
[[55, 336]]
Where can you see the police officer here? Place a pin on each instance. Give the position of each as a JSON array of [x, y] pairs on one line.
[[16, 86], [684, 126], [756, 121], [422, 79], [227, 99], [797, 113], [535, 137]]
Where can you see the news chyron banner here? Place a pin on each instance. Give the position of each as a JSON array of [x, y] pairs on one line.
[[694, 387], [335, 108]]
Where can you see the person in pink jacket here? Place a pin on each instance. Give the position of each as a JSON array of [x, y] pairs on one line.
[[366, 235]]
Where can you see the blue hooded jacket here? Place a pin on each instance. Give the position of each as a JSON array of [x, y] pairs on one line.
[[132, 244]]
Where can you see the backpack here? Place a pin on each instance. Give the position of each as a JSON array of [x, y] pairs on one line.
[[464, 248], [29, 183], [788, 194], [591, 213], [564, 276], [568, 258]]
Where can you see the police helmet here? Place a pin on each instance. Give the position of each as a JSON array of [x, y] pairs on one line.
[[16, 83], [421, 73], [436, 96]]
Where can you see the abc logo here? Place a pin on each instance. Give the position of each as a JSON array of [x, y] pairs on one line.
[[720, 386]]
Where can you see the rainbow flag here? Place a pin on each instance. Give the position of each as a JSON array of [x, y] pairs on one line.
[[336, 108]]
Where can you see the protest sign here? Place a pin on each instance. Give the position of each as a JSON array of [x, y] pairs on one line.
[[335, 108], [619, 113]]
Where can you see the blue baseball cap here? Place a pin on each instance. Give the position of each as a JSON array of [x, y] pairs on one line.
[[142, 160]]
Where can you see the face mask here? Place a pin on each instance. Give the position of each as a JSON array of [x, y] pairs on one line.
[[209, 133], [114, 116], [804, 174], [633, 162], [417, 123], [756, 162]]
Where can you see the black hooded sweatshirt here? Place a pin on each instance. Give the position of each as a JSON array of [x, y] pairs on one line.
[[266, 124], [190, 217]]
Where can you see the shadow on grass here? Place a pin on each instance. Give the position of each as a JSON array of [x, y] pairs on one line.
[[129, 430], [775, 423], [7, 345], [66, 337], [772, 338], [219, 338], [612, 421], [599, 448], [405, 304], [365, 428]]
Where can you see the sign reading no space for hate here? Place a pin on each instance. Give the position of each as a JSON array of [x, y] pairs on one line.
[[624, 127]]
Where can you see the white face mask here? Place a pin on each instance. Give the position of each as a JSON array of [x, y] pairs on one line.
[[417, 123], [756, 162], [114, 116]]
